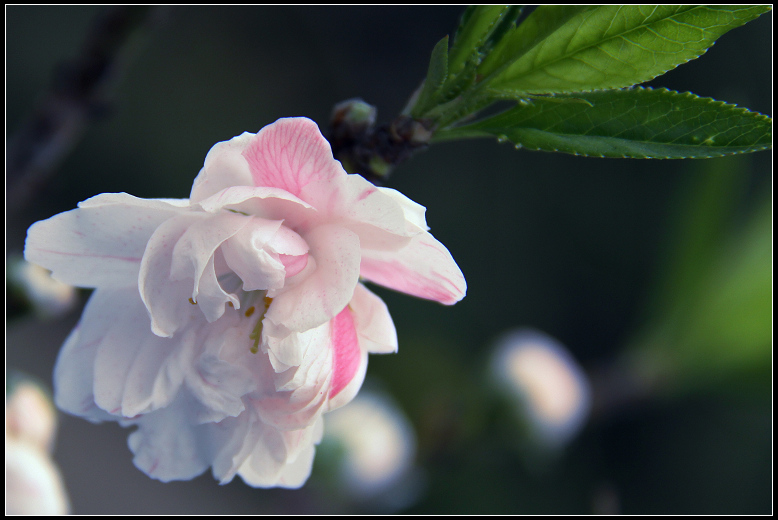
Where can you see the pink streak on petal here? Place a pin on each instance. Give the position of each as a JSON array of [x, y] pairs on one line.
[[399, 277], [346, 354], [123, 258], [289, 154], [365, 194], [293, 263]]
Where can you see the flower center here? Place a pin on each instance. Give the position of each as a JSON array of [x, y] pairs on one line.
[[258, 303]]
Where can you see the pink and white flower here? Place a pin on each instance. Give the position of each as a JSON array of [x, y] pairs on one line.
[[226, 324]]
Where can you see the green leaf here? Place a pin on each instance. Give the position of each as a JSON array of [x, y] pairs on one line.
[[436, 76], [640, 123], [480, 27], [561, 49], [475, 27]]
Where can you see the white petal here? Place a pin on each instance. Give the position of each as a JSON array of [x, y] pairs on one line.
[[298, 408], [224, 167], [328, 289], [246, 255], [281, 459], [233, 439], [193, 260], [101, 243], [413, 212], [225, 371], [135, 371], [376, 216], [267, 203], [167, 446], [374, 324], [167, 300], [74, 371]]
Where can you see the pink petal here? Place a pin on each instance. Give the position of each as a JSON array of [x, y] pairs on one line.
[[101, 243], [423, 268], [293, 264], [289, 154], [328, 288], [346, 355]]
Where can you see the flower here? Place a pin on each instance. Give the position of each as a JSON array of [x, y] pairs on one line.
[[549, 386], [48, 298], [379, 446], [225, 325], [33, 484]]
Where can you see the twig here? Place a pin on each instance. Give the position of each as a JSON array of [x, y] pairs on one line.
[[78, 95]]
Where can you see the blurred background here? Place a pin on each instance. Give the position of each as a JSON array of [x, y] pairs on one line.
[[652, 278]]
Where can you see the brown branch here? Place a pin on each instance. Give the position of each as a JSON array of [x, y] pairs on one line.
[[77, 96], [369, 150]]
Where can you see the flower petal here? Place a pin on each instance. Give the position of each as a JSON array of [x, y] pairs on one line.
[[289, 154], [224, 167], [193, 259], [101, 243], [373, 322], [223, 373], [245, 254], [281, 459], [74, 371], [346, 354], [267, 203], [167, 446], [423, 268], [299, 393], [377, 217], [135, 371], [167, 300], [327, 289]]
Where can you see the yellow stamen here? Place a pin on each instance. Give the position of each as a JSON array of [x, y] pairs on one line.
[[192, 301], [256, 334]]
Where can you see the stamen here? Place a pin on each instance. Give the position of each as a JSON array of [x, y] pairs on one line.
[[250, 311], [256, 334], [192, 301]]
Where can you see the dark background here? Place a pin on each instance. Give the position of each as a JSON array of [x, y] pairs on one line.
[[569, 245]]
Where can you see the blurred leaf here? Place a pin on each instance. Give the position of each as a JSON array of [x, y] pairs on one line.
[[637, 123], [581, 48], [713, 316], [729, 325]]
